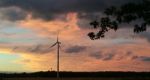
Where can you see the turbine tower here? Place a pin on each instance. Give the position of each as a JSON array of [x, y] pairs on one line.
[[58, 51]]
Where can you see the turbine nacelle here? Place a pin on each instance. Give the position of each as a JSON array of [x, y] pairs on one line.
[[57, 43]]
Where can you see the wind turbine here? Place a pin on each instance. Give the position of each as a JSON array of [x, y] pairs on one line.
[[58, 51]]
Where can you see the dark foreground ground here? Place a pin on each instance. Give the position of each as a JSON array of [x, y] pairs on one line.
[[76, 79], [77, 76]]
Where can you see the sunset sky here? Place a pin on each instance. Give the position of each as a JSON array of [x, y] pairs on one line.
[[29, 27]]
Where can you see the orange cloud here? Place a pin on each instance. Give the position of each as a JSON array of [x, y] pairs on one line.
[[47, 28]]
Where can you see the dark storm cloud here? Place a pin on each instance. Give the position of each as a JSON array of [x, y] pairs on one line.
[[109, 56], [13, 13], [133, 56], [129, 53], [117, 56], [75, 49], [103, 56], [142, 58], [49, 9], [37, 49], [137, 57], [97, 55], [145, 35]]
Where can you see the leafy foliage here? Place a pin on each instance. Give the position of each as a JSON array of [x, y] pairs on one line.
[[124, 14]]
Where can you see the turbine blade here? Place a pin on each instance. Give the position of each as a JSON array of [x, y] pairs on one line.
[[53, 45]]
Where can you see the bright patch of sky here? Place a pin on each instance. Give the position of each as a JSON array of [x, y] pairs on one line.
[[12, 33], [7, 63]]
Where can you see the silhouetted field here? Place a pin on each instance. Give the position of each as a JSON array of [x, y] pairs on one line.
[[77, 79], [77, 76]]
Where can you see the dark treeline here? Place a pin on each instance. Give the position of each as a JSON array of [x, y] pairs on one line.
[[78, 74]]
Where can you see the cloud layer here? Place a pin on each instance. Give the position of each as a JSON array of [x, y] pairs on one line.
[[29, 27], [50, 9]]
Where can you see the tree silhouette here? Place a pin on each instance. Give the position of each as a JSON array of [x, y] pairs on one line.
[[126, 13]]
